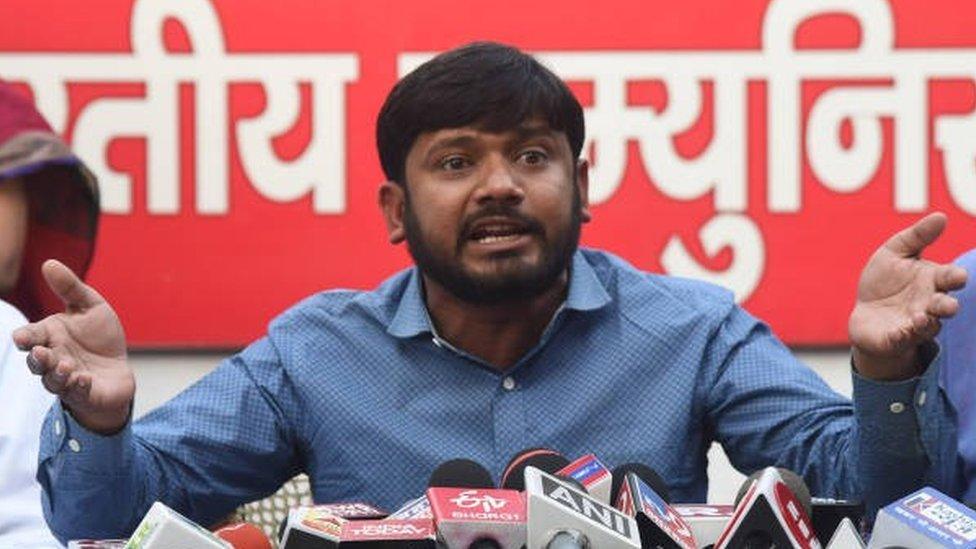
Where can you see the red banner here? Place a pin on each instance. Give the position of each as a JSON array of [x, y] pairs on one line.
[[766, 146]]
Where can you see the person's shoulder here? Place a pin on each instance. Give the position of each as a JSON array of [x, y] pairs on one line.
[[621, 276], [642, 294], [344, 306]]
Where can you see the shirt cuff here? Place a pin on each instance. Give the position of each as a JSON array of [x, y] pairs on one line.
[[66, 446], [889, 411]]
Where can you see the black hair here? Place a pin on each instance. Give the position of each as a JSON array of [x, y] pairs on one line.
[[485, 84]]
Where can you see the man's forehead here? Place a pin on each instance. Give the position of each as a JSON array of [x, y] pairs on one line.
[[527, 129]]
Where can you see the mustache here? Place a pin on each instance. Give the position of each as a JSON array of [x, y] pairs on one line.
[[501, 211]]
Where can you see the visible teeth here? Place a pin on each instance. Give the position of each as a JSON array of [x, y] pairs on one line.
[[492, 238]]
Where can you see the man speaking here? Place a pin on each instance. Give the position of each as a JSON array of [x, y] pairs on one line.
[[504, 335]]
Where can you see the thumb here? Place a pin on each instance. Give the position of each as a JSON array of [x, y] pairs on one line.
[[75, 294], [911, 241]]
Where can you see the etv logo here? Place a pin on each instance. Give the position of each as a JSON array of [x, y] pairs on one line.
[[470, 499]]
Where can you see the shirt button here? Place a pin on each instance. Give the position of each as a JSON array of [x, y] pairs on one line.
[[74, 445], [508, 383], [896, 407], [921, 398], [57, 427]]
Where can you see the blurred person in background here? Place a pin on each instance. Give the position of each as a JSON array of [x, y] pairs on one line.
[[48, 208], [958, 377]]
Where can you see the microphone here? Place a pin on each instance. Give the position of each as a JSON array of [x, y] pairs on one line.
[[592, 474], [657, 523], [308, 527], [925, 519], [544, 459], [352, 510], [163, 528], [645, 473], [469, 518], [317, 528], [845, 536], [707, 522], [412, 509], [244, 535], [400, 533], [772, 510], [420, 507], [460, 473], [828, 514], [472, 514], [561, 516]]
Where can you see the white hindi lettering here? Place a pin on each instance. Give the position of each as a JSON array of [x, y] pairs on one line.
[[721, 168], [888, 84], [319, 169]]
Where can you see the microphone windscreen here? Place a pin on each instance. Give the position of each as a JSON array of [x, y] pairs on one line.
[[460, 473], [544, 459], [645, 473]]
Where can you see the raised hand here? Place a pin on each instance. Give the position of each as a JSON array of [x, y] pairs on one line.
[[901, 300], [80, 354]]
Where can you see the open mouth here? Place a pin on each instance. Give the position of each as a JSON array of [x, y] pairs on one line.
[[494, 233]]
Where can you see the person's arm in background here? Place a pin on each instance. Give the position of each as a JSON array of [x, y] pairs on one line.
[[13, 231], [958, 374], [902, 300], [222, 442], [898, 435]]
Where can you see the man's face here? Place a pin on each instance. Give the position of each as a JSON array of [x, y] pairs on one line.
[[493, 217]]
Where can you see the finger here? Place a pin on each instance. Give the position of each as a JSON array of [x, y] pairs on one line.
[[41, 360], [942, 306], [911, 241], [922, 327], [75, 294], [56, 380], [929, 331], [78, 388], [29, 336], [902, 335], [950, 277]]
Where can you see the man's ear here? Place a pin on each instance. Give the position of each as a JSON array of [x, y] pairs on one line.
[[392, 198], [583, 182]]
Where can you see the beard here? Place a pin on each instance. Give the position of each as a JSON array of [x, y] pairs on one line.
[[513, 279]]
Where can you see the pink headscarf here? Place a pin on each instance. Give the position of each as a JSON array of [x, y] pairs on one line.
[[62, 196]]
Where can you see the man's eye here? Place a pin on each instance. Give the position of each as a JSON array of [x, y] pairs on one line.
[[453, 163], [533, 158]]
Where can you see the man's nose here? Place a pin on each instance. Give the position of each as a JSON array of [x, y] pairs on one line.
[[500, 182]]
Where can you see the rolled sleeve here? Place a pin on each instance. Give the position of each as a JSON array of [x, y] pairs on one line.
[[70, 457], [907, 434], [77, 449], [886, 413]]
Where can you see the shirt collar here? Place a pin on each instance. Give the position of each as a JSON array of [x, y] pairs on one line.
[[586, 293]]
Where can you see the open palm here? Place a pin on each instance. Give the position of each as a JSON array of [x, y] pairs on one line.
[[901, 300], [80, 354]]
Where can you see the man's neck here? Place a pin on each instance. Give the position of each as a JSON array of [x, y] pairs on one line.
[[499, 334]]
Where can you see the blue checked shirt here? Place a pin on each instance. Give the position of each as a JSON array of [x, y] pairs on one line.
[[357, 390]]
